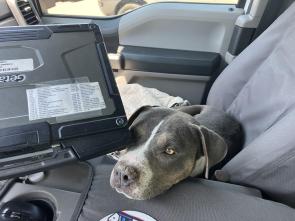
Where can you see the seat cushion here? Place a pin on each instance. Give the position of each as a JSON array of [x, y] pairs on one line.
[[190, 200], [258, 89]]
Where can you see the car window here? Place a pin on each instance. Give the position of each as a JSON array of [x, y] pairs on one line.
[[102, 8]]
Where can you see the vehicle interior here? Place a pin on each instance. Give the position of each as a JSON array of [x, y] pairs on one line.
[[236, 56]]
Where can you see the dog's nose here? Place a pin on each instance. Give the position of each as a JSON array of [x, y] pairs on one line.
[[125, 176]]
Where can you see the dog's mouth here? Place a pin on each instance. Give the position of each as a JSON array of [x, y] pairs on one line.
[[125, 193], [133, 195]]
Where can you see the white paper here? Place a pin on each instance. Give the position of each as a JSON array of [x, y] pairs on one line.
[[62, 100], [18, 65]]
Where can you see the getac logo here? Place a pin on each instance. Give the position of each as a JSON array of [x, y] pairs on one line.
[[14, 78]]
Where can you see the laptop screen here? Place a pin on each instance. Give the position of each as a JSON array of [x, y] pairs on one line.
[[56, 79], [59, 99]]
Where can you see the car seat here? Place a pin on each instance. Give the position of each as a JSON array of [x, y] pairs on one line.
[[258, 89]]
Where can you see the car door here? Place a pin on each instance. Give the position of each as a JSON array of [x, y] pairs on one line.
[[177, 47]]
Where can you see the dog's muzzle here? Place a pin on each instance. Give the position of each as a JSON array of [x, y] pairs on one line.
[[124, 176]]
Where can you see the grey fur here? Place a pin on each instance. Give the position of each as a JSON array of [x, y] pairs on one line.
[[145, 170]]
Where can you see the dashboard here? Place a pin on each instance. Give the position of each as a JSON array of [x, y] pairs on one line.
[[18, 12]]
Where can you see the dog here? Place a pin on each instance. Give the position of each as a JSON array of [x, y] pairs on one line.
[[169, 145]]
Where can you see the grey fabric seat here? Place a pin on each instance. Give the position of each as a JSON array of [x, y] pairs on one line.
[[198, 199], [258, 89]]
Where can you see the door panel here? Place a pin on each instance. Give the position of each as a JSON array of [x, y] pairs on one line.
[[192, 27], [164, 39]]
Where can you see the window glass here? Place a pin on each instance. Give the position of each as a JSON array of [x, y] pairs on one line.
[[101, 8]]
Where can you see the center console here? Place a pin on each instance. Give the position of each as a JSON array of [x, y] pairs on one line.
[[60, 195]]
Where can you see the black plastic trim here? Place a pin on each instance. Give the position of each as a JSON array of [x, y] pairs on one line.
[[241, 38], [169, 61], [18, 138], [111, 83], [241, 4], [17, 34], [37, 32], [95, 146]]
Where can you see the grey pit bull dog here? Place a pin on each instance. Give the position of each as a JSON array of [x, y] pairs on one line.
[[170, 145]]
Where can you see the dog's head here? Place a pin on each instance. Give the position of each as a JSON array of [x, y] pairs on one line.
[[168, 146]]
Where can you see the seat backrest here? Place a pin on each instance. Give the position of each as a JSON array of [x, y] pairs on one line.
[[258, 88]]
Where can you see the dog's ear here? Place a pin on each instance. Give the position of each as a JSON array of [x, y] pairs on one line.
[[214, 149], [137, 113], [191, 110]]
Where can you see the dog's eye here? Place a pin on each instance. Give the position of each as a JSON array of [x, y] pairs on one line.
[[170, 151]]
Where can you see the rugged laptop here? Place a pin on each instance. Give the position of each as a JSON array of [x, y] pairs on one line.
[[59, 99]]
